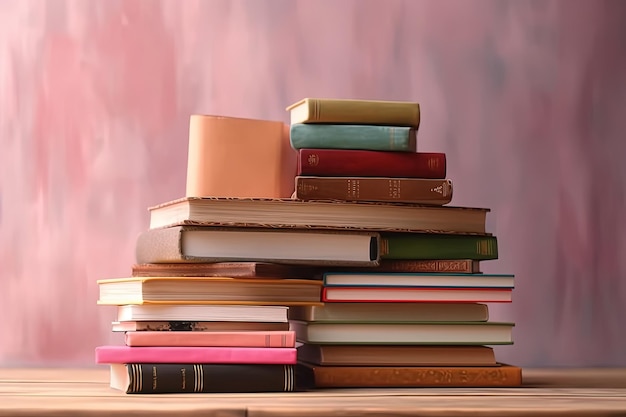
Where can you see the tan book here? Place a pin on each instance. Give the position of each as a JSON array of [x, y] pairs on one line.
[[355, 111], [308, 376], [378, 189], [201, 313], [197, 326], [238, 157], [401, 355], [390, 312], [230, 269], [209, 290]]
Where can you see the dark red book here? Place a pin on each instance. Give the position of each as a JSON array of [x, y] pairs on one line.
[[358, 163]]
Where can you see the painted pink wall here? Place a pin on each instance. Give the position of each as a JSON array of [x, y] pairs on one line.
[[526, 97]]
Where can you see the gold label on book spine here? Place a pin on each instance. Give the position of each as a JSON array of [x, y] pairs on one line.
[[433, 163], [484, 247], [313, 160], [154, 378], [353, 188], [394, 189]]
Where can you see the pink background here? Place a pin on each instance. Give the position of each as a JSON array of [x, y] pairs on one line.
[[527, 98]]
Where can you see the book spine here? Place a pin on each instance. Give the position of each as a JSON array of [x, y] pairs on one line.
[[157, 378], [461, 266], [357, 163], [375, 138], [363, 112], [375, 189], [373, 377], [216, 339], [438, 247]]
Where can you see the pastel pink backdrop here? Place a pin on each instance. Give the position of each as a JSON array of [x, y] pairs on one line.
[[527, 98]]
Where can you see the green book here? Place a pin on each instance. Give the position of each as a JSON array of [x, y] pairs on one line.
[[359, 137], [437, 246]]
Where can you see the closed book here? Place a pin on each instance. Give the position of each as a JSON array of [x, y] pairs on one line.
[[169, 378], [238, 157], [197, 326], [356, 137], [396, 355], [209, 244], [208, 290], [401, 190], [355, 111], [194, 313], [390, 312], [280, 339], [404, 333], [461, 266], [438, 246], [400, 279], [314, 376], [194, 354], [397, 294], [357, 163], [246, 269], [318, 215]]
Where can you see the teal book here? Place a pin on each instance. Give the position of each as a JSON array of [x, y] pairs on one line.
[[357, 137], [437, 246]]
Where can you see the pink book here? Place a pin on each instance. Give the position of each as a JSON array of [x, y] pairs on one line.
[[267, 339], [163, 354]]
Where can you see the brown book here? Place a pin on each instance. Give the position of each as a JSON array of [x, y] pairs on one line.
[[461, 266], [231, 269], [377, 189], [399, 355], [313, 376], [196, 326], [290, 246]]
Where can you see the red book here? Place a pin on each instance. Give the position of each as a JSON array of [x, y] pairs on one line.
[[358, 163]]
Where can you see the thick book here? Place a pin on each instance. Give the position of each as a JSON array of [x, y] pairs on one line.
[[197, 326], [461, 266], [396, 355], [245, 269], [313, 376], [280, 339], [397, 294], [356, 137], [208, 290], [238, 157], [377, 189], [363, 163], [194, 354], [355, 111], [189, 244], [391, 312], [437, 246], [195, 313], [169, 378], [404, 333], [399, 279], [291, 213]]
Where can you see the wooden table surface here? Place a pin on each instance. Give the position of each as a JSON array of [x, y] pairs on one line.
[[549, 392]]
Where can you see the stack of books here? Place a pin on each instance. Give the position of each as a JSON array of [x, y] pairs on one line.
[[418, 318]]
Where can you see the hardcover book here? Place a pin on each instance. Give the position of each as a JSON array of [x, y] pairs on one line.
[[197, 326], [405, 294], [245, 269], [278, 339], [437, 246], [363, 137], [194, 313], [355, 111]]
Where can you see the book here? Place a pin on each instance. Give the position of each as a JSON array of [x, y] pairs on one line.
[[238, 157], [289, 246], [208, 290], [461, 266], [194, 354], [379, 279], [382, 189], [355, 111], [279, 339], [396, 355], [333, 215], [313, 376], [411, 333], [391, 312], [197, 326], [437, 246], [361, 137], [231, 269], [196, 313], [169, 378], [363, 163], [378, 294]]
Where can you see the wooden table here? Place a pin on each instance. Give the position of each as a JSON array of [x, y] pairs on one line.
[[85, 392]]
